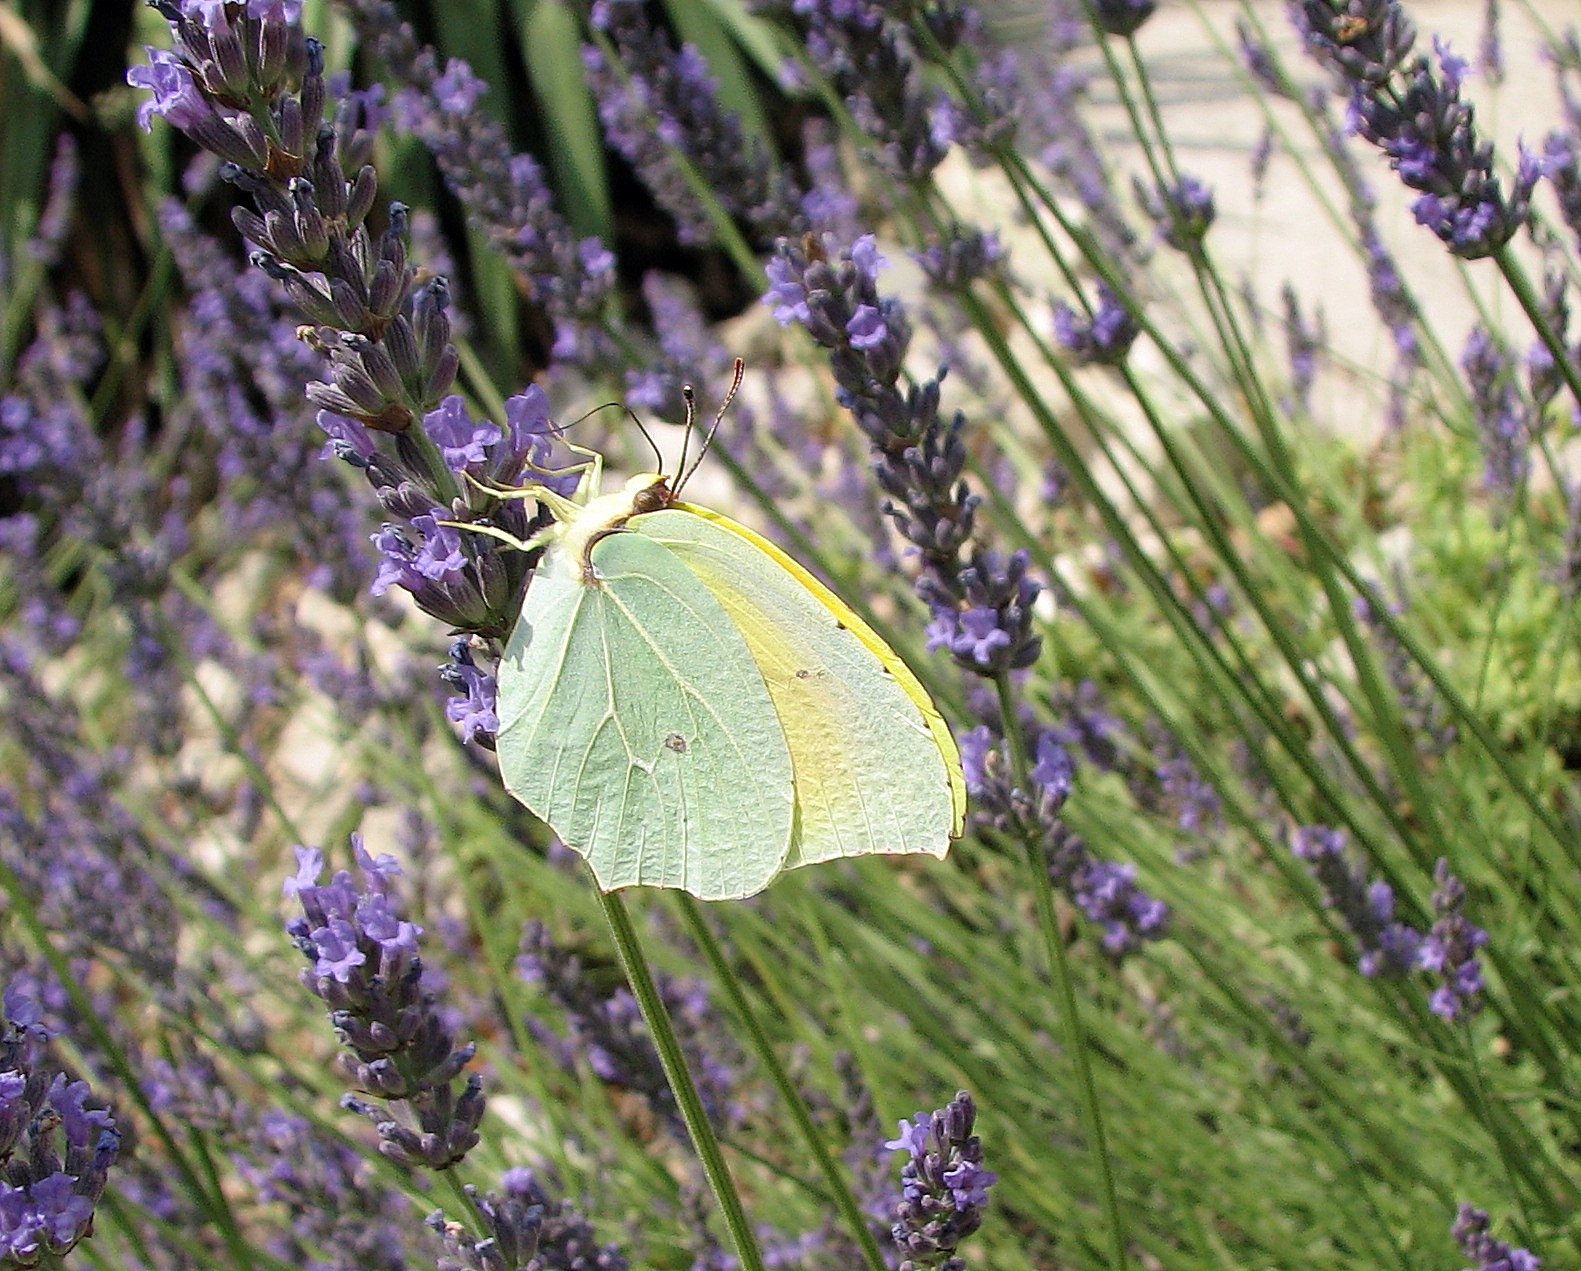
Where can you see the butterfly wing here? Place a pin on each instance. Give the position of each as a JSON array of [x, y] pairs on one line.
[[876, 768], [635, 722]]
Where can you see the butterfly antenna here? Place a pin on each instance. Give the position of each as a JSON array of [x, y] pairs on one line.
[[690, 398], [658, 455], [713, 428]]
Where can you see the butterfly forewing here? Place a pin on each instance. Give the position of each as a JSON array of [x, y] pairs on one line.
[[634, 721]]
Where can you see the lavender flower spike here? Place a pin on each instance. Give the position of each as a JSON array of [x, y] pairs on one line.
[[526, 1228], [1450, 950], [1415, 115], [944, 1187], [982, 604], [366, 968], [55, 1151], [1472, 1232]]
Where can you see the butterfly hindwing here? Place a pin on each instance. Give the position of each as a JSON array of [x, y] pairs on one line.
[[876, 770], [634, 721]]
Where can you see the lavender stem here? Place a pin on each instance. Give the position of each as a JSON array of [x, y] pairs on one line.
[[639, 977], [839, 1188], [1059, 967]]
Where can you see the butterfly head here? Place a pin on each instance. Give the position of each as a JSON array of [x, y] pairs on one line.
[[649, 492]]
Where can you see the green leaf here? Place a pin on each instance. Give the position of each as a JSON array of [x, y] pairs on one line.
[[552, 47]]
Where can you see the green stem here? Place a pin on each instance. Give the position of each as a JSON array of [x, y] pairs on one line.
[[834, 1178], [662, 1030], [1059, 966]]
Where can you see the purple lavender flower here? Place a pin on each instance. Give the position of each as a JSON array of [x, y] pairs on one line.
[[55, 1150], [504, 193], [332, 1199], [867, 53], [1389, 949], [961, 258], [1305, 341], [1543, 376], [1086, 724], [60, 203], [387, 340], [1503, 422], [1183, 212], [981, 606], [366, 967], [1104, 891], [944, 1187], [1473, 1232], [608, 1035], [475, 710], [828, 204], [1198, 808], [1261, 63], [659, 103], [524, 1228], [1450, 950], [1563, 166], [1104, 337], [689, 353], [1415, 115]]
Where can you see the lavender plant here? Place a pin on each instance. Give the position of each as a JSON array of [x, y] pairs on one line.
[[1294, 903]]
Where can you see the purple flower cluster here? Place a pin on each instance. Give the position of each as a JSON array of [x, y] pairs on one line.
[[689, 353], [660, 109], [330, 1196], [1104, 891], [525, 1229], [1196, 804], [55, 1150], [1103, 337], [866, 52], [1502, 417], [1416, 116], [504, 193], [1389, 948], [607, 1033], [1183, 212], [1392, 949], [1473, 1232], [1305, 340], [944, 1187], [456, 577], [982, 607], [1450, 950], [366, 967], [386, 338]]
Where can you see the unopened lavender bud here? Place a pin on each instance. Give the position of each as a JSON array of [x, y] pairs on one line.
[[359, 388], [274, 43], [401, 345], [282, 238], [387, 290], [359, 200], [349, 305], [443, 374]]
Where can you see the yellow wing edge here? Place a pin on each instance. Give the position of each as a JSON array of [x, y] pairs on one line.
[[892, 661]]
